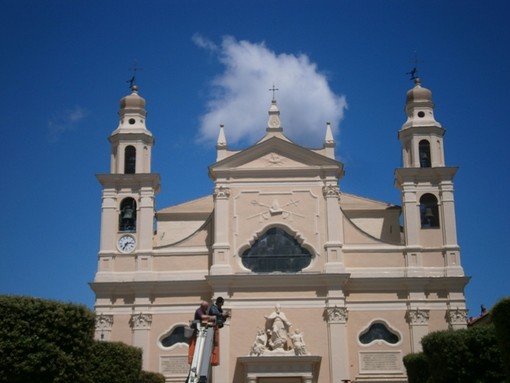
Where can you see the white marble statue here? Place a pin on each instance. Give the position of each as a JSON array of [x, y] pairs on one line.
[[259, 345], [277, 329], [298, 343]]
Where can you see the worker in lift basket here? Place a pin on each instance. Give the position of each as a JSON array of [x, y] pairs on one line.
[[216, 310], [212, 316], [204, 319]]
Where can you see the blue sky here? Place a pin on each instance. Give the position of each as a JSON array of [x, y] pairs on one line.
[[65, 65]]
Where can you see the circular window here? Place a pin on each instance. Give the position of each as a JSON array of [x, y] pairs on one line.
[[421, 114], [131, 121]]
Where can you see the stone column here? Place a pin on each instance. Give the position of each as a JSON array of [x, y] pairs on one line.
[[419, 325], [141, 326], [337, 335]]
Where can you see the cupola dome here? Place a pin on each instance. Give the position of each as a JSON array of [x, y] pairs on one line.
[[419, 96], [132, 103]]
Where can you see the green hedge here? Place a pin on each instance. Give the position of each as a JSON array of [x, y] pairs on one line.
[[44, 341], [417, 367], [115, 362], [151, 377], [464, 356], [500, 314]]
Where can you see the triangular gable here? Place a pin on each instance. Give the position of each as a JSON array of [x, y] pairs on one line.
[[274, 153]]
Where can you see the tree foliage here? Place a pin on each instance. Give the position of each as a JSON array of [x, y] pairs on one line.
[[52, 342], [417, 367], [115, 362], [44, 341], [462, 356], [501, 318], [151, 377]]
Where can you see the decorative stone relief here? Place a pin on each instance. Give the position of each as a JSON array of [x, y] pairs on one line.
[[417, 316], [141, 321], [275, 209], [332, 191], [104, 322], [456, 316], [221, 192], [276, 339], [274, 159], [336, 314]]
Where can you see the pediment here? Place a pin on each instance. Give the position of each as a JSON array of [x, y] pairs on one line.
[[275, 153]]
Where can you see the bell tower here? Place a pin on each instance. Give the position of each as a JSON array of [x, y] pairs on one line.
[[128, 196], [426, 184]]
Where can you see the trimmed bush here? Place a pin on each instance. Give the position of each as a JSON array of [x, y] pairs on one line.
[[44, 341], [151, 377], [417, 367], [115, 362], [464, 356], [500, 315]]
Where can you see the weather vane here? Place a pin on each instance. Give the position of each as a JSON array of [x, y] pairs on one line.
[[135, 68], [414, 72], [273, 89]]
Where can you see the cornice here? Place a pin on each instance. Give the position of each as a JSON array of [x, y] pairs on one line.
[[279, 281], [417, 175], [361, 284], [284, 172], [143, 179]]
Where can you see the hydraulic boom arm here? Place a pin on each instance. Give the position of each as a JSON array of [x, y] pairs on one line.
[[200, 368]]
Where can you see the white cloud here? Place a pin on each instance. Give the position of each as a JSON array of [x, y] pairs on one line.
[[64, 121], [240, 96]]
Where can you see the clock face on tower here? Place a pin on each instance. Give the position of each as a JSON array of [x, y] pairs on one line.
[[126, 243]]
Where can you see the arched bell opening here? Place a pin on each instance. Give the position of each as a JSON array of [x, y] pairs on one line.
[[127, 215]]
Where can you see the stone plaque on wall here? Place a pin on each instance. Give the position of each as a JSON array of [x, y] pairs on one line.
[[382, 361], [174, 365]]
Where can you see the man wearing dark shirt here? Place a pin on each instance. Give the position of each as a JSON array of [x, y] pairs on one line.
[[217, 311]]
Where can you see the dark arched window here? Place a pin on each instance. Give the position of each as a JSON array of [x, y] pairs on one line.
[[429, 211], [276, 251], [129, 160], [424, 149], [378, 331], [175, 336], [127, 215]]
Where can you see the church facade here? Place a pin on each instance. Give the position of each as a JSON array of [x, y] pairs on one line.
[[322, 286]]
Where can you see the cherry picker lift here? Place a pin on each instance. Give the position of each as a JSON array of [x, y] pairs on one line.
[[200, 368]]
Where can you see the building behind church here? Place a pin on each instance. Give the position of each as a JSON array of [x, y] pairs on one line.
[[322, 286]]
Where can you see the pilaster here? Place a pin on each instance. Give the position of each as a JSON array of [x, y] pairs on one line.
[[418, 320], [336, 318], [334, 222], [221, 248], [141, 326]]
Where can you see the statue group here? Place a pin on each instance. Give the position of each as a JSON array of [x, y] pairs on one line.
[[276, 338]]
